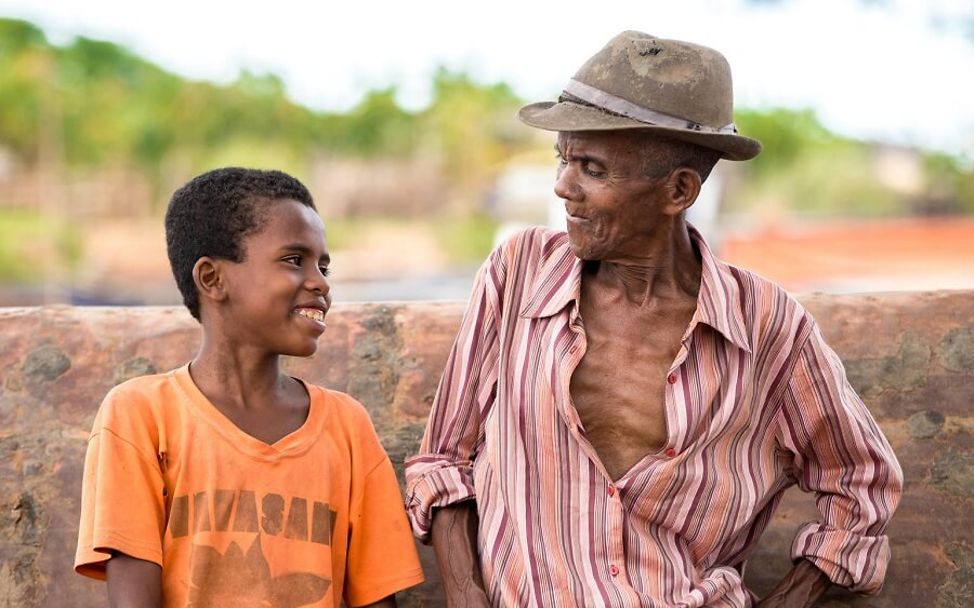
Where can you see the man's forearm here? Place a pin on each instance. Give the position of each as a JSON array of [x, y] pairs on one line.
[[801, 588], [454, 537]]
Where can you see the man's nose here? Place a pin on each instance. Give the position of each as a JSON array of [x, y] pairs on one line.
[[566, 186]]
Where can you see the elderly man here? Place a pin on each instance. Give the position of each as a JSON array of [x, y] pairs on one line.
[[621, 411]]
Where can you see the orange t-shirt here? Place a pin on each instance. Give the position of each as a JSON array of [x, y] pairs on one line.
[[308, 521]]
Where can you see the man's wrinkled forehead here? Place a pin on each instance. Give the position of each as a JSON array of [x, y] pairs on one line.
[[607, 143], [625, 138]]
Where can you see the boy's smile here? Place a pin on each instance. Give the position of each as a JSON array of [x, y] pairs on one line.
[[278, 295]]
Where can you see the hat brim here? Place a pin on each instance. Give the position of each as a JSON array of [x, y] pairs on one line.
[[568, 116]]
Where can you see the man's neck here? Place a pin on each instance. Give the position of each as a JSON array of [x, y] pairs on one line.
[[668, 270]]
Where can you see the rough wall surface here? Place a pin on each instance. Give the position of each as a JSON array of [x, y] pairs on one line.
[[911, 356]]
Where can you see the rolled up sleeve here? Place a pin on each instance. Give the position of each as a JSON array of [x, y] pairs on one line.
[[442, 473], [840, 454]]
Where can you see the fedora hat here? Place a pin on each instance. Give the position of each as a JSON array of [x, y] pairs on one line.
[[637, 81]]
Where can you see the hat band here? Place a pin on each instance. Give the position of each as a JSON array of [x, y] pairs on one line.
[[618, 105]]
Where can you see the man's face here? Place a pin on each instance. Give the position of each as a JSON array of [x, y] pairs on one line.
[[612, 206], [279, 294]]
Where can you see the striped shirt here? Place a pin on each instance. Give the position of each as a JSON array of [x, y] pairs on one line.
[[755, 402]]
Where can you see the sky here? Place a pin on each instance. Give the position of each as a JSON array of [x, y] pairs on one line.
[[898, 71]]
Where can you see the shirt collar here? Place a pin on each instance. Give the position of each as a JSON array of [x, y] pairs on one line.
[[719, 305]]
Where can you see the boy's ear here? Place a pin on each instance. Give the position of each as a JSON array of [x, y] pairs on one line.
[[209, 279]]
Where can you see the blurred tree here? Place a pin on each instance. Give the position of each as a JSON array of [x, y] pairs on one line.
[[784, 134], [24, 57], [468, 125], [92, 104]]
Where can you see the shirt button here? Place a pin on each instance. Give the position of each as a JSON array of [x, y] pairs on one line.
[[671, 378], [614, 570], [670, 452], [611, 490]]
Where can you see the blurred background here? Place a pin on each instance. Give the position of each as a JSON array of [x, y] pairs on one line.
[[400, 119]]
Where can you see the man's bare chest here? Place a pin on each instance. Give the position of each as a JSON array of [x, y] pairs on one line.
[[619, 389]]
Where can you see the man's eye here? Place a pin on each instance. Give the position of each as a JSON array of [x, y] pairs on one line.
[[594, 171]]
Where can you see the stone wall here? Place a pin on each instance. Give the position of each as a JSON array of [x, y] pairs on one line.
[[911, 356]]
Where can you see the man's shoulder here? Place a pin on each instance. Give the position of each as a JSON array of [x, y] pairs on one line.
[[765, 306], [538, 238], [532, 245], [754, 285]]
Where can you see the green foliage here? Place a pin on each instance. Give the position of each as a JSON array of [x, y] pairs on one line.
[[837, 183], [466, 239], [25, 61], [950, 182], [92, 104], [33, 245], [786, 135], [469, 124]]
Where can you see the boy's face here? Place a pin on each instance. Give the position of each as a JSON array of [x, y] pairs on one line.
[[277, 297]]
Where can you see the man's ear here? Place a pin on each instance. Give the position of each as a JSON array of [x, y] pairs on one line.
[[209, 278], [683, 187]]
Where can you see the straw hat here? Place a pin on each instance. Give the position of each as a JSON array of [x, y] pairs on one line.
[[638, 81]]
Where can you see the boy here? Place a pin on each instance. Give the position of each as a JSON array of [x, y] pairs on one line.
[[226, 482]]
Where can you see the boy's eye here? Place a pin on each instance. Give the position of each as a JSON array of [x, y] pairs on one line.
[[294, 260], [324, 270]]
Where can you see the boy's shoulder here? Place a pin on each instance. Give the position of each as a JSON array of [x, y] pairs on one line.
[[137, 401], [346, 417], [343, 408]]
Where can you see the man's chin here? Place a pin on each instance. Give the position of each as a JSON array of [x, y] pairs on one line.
[[583, 250]]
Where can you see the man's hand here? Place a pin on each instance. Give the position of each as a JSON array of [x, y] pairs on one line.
[[801, 588], [454, 536], [133, 583]]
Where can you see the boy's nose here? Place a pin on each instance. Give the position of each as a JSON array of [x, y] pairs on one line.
[[318, 283]]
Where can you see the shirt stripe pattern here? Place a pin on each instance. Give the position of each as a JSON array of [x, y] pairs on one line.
[[756, 402]]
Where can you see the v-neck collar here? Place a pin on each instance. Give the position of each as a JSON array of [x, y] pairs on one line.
[[293, 444]]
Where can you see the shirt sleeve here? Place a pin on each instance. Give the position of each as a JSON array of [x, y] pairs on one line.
[[122, 501], [382, 555], [442, 473], [841, 455]]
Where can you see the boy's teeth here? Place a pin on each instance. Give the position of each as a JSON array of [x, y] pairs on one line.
[[312, 313]]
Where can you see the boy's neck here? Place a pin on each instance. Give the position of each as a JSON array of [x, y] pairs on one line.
[[240, 377]]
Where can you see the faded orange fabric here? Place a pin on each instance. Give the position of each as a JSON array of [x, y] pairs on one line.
[[308, 521]]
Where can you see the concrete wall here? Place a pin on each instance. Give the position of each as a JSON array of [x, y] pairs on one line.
[[911, 356]]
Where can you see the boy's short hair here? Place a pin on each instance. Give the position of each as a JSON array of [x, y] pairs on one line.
[[213, 212]]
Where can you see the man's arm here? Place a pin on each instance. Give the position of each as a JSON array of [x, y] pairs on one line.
[[840, 454], [454, 538], [133, 583], [441, 474], [800, 588]]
